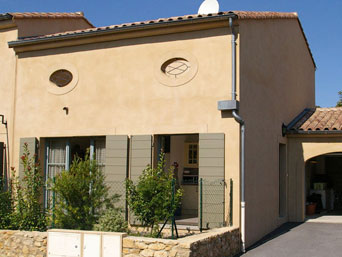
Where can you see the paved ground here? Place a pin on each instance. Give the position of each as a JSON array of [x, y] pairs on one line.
[[302, 240], [331, 217]]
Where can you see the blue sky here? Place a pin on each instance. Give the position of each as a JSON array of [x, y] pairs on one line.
[[322, 22]]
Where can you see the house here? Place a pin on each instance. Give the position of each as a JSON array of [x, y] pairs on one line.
[[212, 92]]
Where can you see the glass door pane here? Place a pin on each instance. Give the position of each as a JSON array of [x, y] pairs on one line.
[[56, 162]]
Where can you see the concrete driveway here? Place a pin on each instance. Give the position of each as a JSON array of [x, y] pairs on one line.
[[301, 239]]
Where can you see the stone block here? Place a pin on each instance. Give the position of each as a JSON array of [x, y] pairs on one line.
[[156, 247], [161, 254], [147, 253], [128, 243]]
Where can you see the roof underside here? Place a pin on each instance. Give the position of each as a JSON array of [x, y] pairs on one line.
[[240, 15], [317, 121]]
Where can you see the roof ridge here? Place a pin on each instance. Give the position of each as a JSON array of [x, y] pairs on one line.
[[44, 14]]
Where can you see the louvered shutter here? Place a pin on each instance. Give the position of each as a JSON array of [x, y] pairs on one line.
[[116, 166], [211, 171], [141, 156], [2, 157], [32, 146]]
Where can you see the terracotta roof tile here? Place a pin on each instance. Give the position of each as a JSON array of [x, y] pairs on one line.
[[241, 15], [44, 15], [39, 15], [319, 119]]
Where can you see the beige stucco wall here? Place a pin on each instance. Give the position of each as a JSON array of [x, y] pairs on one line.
[[118, 93], [277, 83], [7, 80], [301, 149]]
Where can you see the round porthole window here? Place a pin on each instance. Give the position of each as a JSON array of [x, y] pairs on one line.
[[176, 68], [61, 78]]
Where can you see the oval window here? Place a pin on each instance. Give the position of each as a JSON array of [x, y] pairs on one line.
[[61, 78], [175, 67]]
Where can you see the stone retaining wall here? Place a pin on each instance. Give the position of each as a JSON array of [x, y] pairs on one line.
[[23, 244], [222, 242]]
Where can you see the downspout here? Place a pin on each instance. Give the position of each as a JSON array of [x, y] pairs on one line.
[[242, 143]]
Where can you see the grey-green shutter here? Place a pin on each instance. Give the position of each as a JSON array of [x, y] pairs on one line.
[[2, 160], [211, 171], [32, 147], [141, 154], [116, 166]]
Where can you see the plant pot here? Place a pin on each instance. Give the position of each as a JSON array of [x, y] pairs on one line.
[[311, 209]]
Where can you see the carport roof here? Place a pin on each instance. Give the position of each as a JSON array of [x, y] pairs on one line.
[[317, 121]]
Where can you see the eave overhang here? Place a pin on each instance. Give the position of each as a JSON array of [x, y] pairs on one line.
[[103, 35]]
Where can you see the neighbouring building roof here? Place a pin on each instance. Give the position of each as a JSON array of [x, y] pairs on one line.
[[43, 15], [240, 15], [317, 120]]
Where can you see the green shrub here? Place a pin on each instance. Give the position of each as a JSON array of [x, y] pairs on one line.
[[81, 195], [28, 213], [151, 198], [6, 207], [111, 221]]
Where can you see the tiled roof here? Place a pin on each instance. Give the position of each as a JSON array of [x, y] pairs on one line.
[[39, 15], [241, 15], [319, 119], [44, 15]]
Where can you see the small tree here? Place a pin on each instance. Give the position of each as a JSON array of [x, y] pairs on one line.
[[112, 221], [339, 102], [151, 198], [28, 212], [81, 195]]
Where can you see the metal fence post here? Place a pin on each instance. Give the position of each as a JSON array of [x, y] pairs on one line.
[[53, 205], [172, 204], [201, 204]]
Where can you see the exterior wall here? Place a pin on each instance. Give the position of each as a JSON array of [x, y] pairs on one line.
[[7, 80], [300, 149], [117, 92], [40, 26], [277, 82]]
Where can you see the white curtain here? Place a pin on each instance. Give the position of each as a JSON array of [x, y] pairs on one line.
[[56, 163], [100, 152]]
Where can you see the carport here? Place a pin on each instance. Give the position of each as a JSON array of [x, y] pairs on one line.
[[314, 160]]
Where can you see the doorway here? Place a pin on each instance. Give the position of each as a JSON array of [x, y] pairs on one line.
[[323, 185], [182, 155]]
